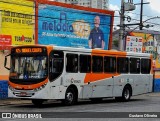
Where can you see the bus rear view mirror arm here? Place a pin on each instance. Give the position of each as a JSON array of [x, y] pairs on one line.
[[5, 62]]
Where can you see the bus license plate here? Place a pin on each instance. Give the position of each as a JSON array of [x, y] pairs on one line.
[[23, 94]]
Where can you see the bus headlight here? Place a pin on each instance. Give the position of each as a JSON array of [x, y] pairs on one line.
[[40, 88], [11, 88]]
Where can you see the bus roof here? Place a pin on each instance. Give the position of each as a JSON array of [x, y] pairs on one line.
[[92, 51], [100, 51]]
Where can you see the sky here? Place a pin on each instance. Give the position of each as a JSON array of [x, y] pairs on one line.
[[149, 10]]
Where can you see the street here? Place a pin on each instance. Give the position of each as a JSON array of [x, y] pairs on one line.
[[146, 104]]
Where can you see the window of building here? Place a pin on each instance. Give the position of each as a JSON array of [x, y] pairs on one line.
[[97, 64], [72, 63], [122, 65], [145, 66], [109, 64], [85, 63], [134, 65]]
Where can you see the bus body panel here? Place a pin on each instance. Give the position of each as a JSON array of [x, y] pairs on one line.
[[90, 85], [119, 83]]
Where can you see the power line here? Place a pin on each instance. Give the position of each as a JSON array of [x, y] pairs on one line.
[[52, 18], [139, 14]]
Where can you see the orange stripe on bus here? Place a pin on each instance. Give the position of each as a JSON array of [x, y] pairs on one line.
[[93, 77], [32, 86], [108, 52]]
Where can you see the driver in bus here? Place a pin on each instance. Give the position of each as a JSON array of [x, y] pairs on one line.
[[26, 70]]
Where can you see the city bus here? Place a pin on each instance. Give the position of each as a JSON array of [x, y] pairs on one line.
[[46, 72]]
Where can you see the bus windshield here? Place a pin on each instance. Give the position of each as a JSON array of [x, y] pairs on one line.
[[30, 67]]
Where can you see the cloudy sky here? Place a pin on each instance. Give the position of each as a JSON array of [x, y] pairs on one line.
[[149, 11]]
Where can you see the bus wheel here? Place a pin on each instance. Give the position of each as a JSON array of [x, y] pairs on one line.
[[37, 102], [126, 95], [70, 97]]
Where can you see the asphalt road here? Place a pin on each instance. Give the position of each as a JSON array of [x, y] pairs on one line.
[[142, 107]]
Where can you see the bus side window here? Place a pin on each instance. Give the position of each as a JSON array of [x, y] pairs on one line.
[[85, 63], [145, 66], [97, 64], [134, 65], [122, 65], [72, 63], [56, 63], [109, 64]]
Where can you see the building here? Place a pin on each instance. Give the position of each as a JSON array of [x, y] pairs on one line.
[[100, 4]]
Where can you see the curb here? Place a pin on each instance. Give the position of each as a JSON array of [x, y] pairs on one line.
[[11, 101], [155, 94]]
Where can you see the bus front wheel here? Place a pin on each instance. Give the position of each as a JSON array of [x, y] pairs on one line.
[[70, 97]]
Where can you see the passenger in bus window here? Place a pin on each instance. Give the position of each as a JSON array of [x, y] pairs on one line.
[[99, 65], [75, 65]]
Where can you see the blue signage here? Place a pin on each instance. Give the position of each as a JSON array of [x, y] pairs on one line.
[[72, 28]]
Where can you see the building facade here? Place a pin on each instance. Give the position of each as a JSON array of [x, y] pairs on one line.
[[100, 4]]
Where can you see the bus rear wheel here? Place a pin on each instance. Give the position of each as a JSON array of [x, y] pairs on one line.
[[37, 102], [126, 95], [70, 97]]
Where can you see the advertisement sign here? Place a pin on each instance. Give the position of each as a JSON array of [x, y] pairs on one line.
[[5, 41], [150, 44], [72, 27], [17, 23], [134, 44]]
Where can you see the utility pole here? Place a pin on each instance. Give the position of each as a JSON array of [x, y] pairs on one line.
[[141, 16], [121, 33]]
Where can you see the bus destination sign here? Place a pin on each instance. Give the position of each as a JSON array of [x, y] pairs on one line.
[[28, 50]]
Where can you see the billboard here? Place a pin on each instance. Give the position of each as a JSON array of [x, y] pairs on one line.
[[16, 23], [150, 44], [64, 25], [134, 44]]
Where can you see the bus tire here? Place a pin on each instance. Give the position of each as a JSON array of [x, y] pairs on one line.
[[70, 97], [126, 94], [37, 102]]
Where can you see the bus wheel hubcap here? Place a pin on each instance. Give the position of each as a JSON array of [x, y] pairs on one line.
[[70, 97], [126, 94]]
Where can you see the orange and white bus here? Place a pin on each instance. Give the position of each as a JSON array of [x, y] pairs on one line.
[[49, 72]]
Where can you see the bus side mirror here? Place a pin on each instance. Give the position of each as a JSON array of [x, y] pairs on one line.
[[5, 62]]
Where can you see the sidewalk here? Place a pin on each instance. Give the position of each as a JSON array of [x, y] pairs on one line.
[[11, 101], [154, 94]]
